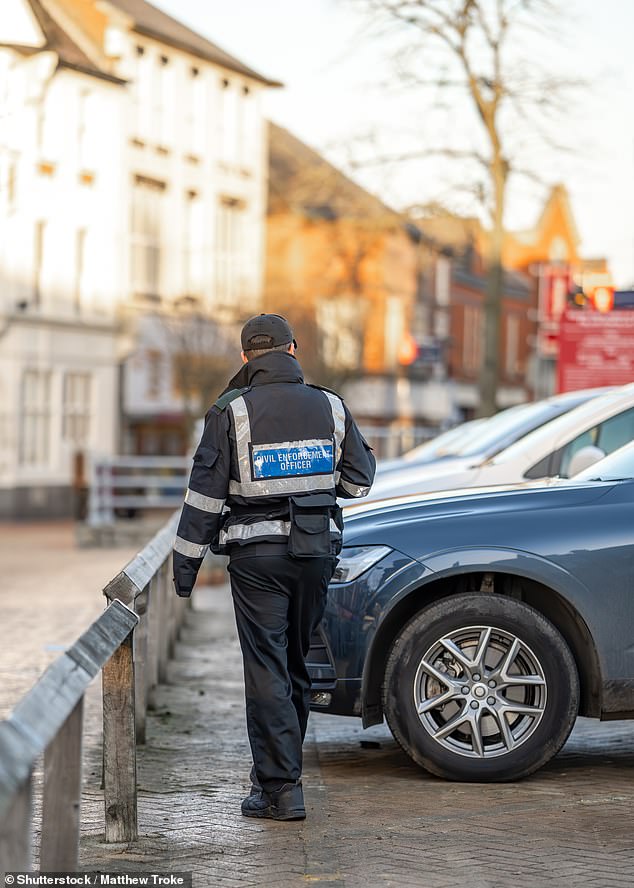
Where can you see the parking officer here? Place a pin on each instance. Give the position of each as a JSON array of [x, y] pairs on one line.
[[274, 455]]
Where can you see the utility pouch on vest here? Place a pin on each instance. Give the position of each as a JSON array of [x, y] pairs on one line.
[[310, 515]]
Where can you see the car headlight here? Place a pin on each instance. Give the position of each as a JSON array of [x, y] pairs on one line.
[[354, 560]]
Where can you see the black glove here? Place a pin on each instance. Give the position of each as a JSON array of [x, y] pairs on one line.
[[183, 591]]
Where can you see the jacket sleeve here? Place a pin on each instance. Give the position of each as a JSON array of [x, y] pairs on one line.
[[357, 464], [204, 501]]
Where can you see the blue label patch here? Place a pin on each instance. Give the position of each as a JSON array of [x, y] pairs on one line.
[[293, 459]]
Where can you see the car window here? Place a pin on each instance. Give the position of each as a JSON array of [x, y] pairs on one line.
[[557, 428], [441, 444], [587, 439], [511, 422], [617, 431], [542, 469], [617, 466], [608, 435], [514, 423]]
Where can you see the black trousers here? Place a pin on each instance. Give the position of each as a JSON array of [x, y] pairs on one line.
[[279, 602]]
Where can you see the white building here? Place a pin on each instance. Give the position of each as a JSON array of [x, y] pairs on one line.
[[132, 174]]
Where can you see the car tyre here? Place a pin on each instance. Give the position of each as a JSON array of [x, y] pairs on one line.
[[501, 733]]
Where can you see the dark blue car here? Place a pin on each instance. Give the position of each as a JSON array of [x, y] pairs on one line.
[[481, 623]]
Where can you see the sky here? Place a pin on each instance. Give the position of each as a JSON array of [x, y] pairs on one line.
[[341, 96]]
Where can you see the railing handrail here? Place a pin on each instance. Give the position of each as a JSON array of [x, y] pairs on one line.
[[149, 462], [41, 712], [130, 643], [127, 585]]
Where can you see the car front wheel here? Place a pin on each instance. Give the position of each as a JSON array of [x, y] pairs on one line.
[[480, 688]]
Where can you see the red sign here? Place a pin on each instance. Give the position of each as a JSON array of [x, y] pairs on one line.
[[595, 349], [555, 281]]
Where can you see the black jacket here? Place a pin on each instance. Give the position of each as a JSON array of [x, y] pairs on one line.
[[267, 445]]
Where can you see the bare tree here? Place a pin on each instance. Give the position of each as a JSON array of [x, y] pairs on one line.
[[475, 48], [203, 356], [345, 233]]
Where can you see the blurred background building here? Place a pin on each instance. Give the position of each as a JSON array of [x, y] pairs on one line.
[[147, 209], [133, 170]]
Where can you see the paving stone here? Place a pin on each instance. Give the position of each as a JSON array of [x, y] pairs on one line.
[[375, 820]]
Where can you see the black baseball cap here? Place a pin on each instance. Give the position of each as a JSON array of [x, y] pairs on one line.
[[274, 327]]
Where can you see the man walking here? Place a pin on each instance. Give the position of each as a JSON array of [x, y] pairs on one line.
[[274, 455]]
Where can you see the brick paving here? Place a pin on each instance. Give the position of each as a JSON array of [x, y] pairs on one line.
[[50, 592], [374, 819]]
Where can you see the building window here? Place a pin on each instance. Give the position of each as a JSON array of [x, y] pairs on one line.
[[36, 419], [442, 326], [229, 125], [198, 115], [11, 185], [443, 279], [77, 408], [194, 251], [248, 119], [88, 130], [231, 271], [340, 333], [80, 249], [154, 375], [512, 356], [472, 339], [38, 261], [142, 96], [147, 209], [161, 129]]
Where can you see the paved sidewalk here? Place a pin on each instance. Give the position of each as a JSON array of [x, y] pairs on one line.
[[374, 819], [50, 592]]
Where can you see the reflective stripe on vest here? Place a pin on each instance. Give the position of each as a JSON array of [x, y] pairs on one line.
[[257, 529], [354, 489], [281, 486], [260, 529], [202, 502], [189, 549], [339, 419]]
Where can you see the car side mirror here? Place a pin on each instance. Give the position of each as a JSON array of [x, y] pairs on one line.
[[584, 458]]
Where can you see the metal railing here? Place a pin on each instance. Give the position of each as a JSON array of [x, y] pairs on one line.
[[130, 643], [126, 485]]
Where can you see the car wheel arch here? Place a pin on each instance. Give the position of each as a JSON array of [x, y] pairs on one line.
[[550, 602]]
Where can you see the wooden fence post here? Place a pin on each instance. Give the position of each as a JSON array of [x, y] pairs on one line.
[[15, 831], [153, 638], [141, 605], [119, 745], [48, 720], [62, 796], [163, 628]]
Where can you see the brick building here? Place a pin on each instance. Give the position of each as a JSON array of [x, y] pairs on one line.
[[337, 258]]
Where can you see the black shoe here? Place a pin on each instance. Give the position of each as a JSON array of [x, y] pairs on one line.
[[286, 803]]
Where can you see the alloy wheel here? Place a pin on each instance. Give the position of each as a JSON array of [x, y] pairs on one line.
[[480, 691]]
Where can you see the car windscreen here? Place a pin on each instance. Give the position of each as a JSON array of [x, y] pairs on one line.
[[615, 467], [539, 440], [504, 428], [441, 445]]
